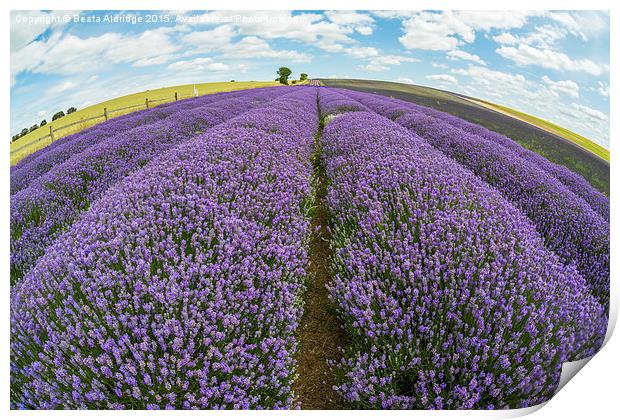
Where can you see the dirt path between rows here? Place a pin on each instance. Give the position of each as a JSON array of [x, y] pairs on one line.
[[320, 334]]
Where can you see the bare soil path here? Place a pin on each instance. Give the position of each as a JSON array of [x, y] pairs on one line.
[[320, 334]]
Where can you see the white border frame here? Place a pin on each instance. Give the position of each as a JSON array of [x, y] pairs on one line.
[[593, 394]]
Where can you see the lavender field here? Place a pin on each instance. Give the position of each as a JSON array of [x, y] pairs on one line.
[[300, 247]]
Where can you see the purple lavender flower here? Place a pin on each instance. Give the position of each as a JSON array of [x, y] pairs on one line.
[[568, 224], [41, 212], [393, 108], [450, 297], [38, 163], [181, 287], [164, 265]]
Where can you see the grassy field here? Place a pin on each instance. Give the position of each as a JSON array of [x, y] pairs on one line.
[[548, 126], [18, 151]]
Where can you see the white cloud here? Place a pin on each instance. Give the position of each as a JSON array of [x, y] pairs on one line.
[[254, 47], [567, 87], [67, 55], [29, 57], [394, 60], [525, 55], [211, 40], [568, 21], [443, 78], [198, 65], [435, 31], [361, 52], [374, 60], [590, 112], [148, 48], [62, 87], [405, 80], [495, 19], [505, 38], [496, 79], [445, 31], [583, 118], [23, 33], [27, 25], [71, 54], [603, 89], [544, 36], [248, 35], [463, 55], [394, 14], [330, 32], [151, 61], [584, 24], [304, 27], [364, 30], [538, 47], [360, 22], [41, 113], [219, 41], [384, 62], [374, 68]]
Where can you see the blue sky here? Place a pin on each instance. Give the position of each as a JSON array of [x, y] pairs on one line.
[[554, 65]]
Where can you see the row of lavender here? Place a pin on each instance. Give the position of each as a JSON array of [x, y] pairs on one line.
[[40, 162], [448, 294], [138, 116], [41, 212], [568, 224], [181, 287], [393, 108]]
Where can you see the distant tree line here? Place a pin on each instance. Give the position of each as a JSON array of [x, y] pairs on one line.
[[57, 115]]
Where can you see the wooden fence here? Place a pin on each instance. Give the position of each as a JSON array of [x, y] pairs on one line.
[[106, 116]]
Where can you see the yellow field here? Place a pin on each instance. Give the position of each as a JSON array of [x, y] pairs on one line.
[[18, 151]]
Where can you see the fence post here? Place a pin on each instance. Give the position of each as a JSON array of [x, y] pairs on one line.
[[105, 113], [176, 96], [146, 102], [51, 133]]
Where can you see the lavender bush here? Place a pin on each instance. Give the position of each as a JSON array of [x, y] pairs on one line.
[[37, 164], [137, 118], [163, 264], [447, 292], [569, 226], [181, 287], [41, 212], [332, 102], [393, 108]]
